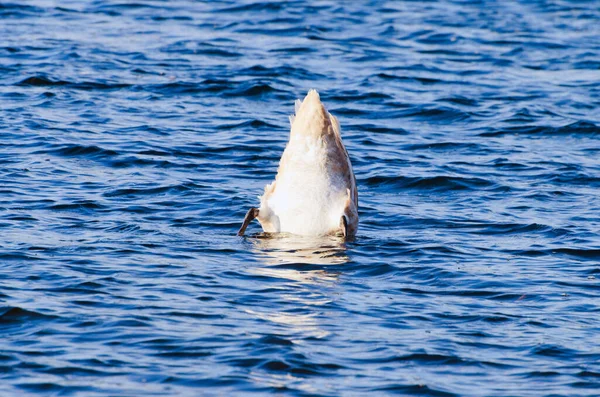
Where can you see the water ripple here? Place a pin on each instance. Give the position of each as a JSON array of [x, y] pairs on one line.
[[135, 136]]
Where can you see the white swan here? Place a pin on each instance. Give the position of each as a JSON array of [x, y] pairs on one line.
[[314, 192]]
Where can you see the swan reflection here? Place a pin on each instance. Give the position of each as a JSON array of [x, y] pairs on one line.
[[280, 248], [306, 291], [285, 255]]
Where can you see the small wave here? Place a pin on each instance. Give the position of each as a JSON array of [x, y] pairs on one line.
[[255, 124], [55, 388], [356, 96], [439, 38], [75, 150], [460, 100], [41, 81], [379, 129], [300, 367], [577, 128], [217, 52], [226, 88], [581, 253], [134, 161], [11, 50], [590, 253], [588, 374], [377, 270], [186, 353], [553, 351], [193, 315], [284, 71], [422, 80], [435, 183], [282, 32], [511, 228], [184, 187], [428, 358], [82, 205], [415, 390], [446, 146], [255, 6], [199, 48], [18, 10], [128, 323], [438, 114], [294, 50], [253, 90], [172, 18], [17, 256], [428, 114], [574, 178], [17, 315], [124, 227], [274, 340], [128, 6], [87, 287]]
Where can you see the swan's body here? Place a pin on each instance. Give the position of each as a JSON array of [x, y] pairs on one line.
[[314, 192]]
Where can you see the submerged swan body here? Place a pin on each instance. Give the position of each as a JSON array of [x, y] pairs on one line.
[[314, 192]]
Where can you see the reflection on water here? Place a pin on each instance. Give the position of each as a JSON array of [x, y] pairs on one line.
[[126, 167], [283, 248], [303, 260], [295, 257]]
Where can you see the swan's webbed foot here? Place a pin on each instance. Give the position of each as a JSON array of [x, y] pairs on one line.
[[344, 225], [250, 215]]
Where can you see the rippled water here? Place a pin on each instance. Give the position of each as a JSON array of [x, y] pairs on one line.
[[134, 137]]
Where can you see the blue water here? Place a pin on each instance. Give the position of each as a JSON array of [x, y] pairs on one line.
[[135, 136]]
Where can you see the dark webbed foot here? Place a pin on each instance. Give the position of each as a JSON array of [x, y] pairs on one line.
[[250, 215], [344, 225]]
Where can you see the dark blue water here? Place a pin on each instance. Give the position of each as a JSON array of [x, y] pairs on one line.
[[134, 137]]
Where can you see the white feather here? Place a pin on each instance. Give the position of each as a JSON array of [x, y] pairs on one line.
[[297, 105], [307, 197]]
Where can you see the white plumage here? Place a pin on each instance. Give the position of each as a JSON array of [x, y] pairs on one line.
[[315, 186]]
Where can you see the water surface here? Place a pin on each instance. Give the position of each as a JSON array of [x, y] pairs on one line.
[[135, 136]]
